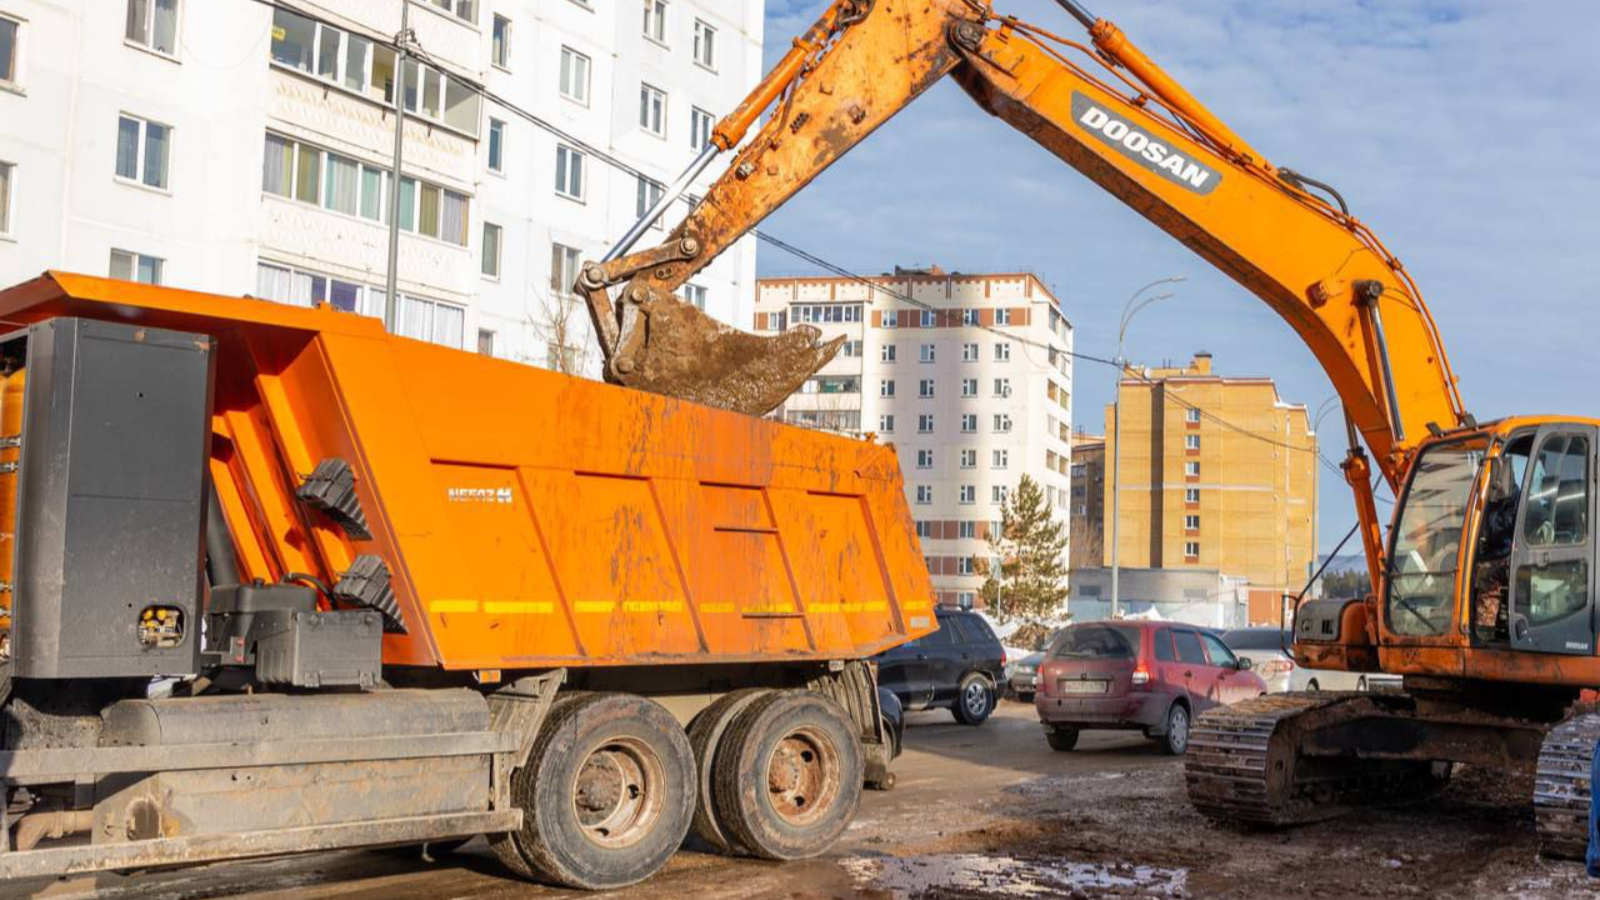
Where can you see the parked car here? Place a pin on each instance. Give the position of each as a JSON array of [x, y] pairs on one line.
[[1024, 673], [959, 667], [1267, 650], [1151, 676]]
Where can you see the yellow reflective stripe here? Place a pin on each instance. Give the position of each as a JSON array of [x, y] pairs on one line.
[[768, 609], [453, 606], [854, 606], [593, 606], [652, 606], [716, 607]]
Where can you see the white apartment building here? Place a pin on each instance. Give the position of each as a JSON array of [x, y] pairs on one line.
[[972, 383], [245, 147]]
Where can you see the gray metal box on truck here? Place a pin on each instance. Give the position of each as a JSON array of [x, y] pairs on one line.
[[111, 488]]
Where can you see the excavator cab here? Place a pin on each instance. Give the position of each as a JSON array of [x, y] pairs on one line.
[[1492, 545]]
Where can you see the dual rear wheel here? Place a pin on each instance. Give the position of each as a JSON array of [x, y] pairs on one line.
[[613, 784]]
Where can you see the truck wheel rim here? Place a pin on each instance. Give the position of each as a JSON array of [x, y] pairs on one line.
[[976, 698], [617, 794], [803, 776]]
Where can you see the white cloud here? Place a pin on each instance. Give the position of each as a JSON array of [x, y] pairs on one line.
[[1461, 132]]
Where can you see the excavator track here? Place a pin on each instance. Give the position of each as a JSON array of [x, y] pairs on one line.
[[1561, 787], [1245, 764]]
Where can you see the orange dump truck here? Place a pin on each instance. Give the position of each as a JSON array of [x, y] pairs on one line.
[[393, 593]]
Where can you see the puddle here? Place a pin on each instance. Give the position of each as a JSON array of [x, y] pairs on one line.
[[975, 875]]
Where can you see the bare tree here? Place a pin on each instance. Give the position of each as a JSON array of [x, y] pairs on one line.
[[563, 326], [1088, 543]]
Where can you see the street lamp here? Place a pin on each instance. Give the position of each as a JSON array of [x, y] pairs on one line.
[[1135, 303]]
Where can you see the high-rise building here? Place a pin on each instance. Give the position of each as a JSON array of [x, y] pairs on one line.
[[1087, 506], [247, 148], [968, 375], [1219, 474]]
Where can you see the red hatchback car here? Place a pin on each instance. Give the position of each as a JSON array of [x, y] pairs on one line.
[[1153, 676]]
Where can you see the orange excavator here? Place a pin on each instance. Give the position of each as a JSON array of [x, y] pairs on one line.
[[1484, 593]]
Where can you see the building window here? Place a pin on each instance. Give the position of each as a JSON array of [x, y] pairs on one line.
[[1192, 415], [564, 263], [153, 24], [925, 423], [969, 423], [969, 459], [560, 357], [1191, 523], [924, 459], [1191, 495], [967, 530], [284, 285], [1191, 442], [497, 146], [142, 151], [705, 44], [502, 42], [891, 318], [10, 30], [130, 266], [432, 321], [700, 126], [1002, 387], [1002, 423], [886, 423], [969, 494], [430, 210], [491, 250], [928, 353], [928, 318], [925, 389], [886, 353], [969, 352], [886, 388], [924, 528], [653, 110], [312, 175], [969, 317], [6, 172], [1002, 352], [963, 565], [655, 20], [465, 10], [1191, 549], [1002, 316], [646, 196], [969, 387], [574, 76], [695, 295], [850, 350], [1001, 459], [924, 494], [1192, 468], [356, 64], [485, 342], [999, 493], [569, 173]]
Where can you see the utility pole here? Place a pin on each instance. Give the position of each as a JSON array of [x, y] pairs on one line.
[[391, 299], [1129, 309]]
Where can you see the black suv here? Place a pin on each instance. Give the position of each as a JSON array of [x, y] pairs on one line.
[[958, 667]]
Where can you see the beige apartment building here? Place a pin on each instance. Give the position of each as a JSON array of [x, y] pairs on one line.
[[1218, 473], [971, 381]]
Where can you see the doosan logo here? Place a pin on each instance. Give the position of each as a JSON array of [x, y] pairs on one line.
[[1152, 154]]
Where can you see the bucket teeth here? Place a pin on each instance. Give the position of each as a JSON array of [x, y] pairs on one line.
[[686, 354]]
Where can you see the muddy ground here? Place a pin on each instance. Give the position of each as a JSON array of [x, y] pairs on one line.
[[992, 812]]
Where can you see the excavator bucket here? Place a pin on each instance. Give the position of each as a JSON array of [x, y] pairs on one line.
[[668, 347]]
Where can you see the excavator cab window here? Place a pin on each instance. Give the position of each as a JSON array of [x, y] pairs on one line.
[[1550, 589], [1491, 567], [1427, 537]]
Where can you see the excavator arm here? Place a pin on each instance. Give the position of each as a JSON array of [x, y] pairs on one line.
[[1107, 110]]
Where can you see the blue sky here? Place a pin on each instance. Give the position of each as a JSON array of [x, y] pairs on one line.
[[1463, 133]]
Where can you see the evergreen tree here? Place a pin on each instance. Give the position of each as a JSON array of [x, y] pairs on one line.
[[1031, 582]]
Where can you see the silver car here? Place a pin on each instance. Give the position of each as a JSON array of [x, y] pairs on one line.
[[1268, 651], [1023, 674]]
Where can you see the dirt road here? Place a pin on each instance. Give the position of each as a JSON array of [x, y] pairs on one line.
[[992, 812]]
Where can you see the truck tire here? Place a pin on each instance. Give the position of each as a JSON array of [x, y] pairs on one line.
[[705, 738], [789, 775], [607, 794], [975, 700]]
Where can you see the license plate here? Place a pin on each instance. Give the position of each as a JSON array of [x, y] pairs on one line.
[[1082, 687]]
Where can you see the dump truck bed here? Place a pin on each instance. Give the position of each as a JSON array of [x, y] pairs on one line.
[[528, 518]]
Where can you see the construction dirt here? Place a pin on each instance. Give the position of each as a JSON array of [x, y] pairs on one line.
[[992, 812]]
